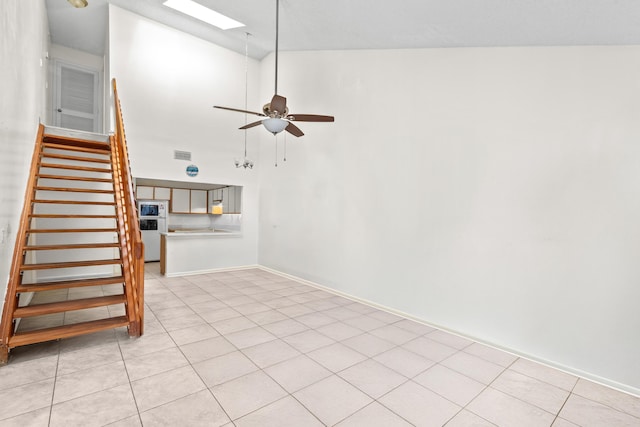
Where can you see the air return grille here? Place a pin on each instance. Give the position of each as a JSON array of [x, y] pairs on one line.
[[181, 155]]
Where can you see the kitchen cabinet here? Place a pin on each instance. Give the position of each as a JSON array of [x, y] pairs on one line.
[[226, 206], [198, 202], [215, 196], [187, 201], [144, 193], [180, 200], [231, 199], [184, 200], [238, 199], [161, 193]]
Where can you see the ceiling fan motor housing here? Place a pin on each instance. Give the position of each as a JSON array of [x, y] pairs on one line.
[[267, 111]]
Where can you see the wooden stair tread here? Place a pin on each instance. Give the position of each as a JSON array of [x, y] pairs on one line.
[[55, 131], [57, 146], [72, 230], [74, 178], [74, 167], [70, 264], [74, 202], [70, 305], [71, 246], [74, 190], [66, 331], [46, 154], [69, 141], [68, 284]]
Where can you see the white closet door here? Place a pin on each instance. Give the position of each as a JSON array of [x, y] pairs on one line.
[[77, 103]]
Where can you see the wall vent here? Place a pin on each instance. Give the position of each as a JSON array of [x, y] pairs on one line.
[[181, 155]]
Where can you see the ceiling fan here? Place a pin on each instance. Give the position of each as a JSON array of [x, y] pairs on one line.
[[276, 116]]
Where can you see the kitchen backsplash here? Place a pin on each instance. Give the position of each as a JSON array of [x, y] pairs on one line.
[[231, 222]]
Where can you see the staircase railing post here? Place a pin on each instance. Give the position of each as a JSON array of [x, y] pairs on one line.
[[131, 237]]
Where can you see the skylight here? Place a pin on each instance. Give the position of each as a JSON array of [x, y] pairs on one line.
[[202, 13]]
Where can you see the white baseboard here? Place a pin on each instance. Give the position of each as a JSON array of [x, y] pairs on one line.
[[567, 369], [211, 270]]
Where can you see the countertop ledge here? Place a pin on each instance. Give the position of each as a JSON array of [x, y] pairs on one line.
[[200, 232]]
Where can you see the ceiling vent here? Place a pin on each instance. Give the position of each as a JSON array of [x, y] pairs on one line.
[[182, 155]]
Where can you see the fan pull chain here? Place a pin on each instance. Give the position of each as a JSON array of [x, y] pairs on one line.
[[285, 147], [246, 88], [246, 163], [276, 144]]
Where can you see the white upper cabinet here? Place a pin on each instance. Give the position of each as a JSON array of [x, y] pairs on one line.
[[198, 201], [143, 193], [238, 199], [162, 193], [226, 207], [180, 200], [232, 199], [185, 200]]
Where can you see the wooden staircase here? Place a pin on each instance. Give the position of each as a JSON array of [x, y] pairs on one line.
[[78, 264]]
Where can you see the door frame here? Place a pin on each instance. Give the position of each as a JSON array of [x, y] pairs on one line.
[[97, 92]]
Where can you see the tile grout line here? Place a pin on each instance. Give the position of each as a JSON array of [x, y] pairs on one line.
[[191, 364], [564, 403], [487, 386], [126, 369], [53, 391]]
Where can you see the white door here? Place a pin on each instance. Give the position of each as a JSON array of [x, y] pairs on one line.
[[77, 98]]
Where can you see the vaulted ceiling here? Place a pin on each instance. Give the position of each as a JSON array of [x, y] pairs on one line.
[[371, 24]]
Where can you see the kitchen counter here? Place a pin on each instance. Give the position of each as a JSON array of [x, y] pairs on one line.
[[197, 250], [186, 232]]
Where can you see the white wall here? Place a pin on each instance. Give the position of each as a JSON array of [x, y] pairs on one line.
[[493, 192], [23, 44], [168, 82]]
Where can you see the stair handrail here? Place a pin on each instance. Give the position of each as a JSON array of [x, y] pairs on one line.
[[11, 298], [132, 246]]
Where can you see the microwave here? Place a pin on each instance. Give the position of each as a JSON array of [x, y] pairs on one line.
[[149, 209]]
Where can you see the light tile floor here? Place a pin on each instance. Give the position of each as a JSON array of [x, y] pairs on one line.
[[250, 348]]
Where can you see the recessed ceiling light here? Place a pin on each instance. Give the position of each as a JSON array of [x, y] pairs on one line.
[[202, 13]]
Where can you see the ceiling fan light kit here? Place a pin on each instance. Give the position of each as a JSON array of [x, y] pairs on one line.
[[275, 125], [275, 115], [78, 3]]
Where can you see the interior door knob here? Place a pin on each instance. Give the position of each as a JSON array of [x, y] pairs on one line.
[[59, 110]]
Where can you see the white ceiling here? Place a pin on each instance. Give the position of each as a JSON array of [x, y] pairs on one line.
[[371, 24]]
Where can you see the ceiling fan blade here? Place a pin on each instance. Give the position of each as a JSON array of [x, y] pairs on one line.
[[293, 130], [239, 111], [310, 118], [278, 103], [250, 125]]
